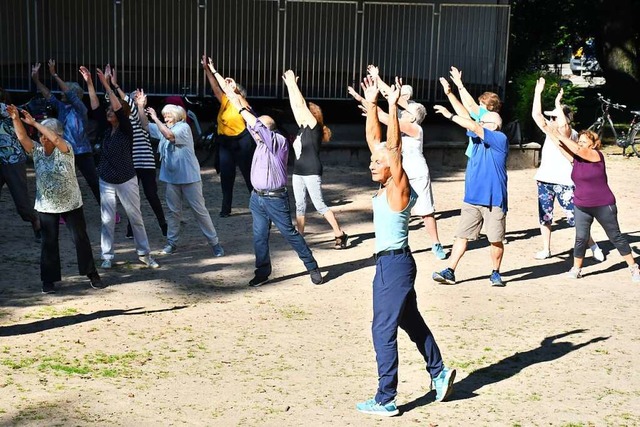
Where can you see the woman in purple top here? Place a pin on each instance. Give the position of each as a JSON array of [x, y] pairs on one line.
[[592, 197]]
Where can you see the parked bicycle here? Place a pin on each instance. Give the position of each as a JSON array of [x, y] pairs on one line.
[[629, 142]]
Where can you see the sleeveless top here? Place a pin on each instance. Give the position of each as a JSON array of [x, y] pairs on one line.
[[391, 228], [413, 161], [306, 148], [590, 178], [554, 168]]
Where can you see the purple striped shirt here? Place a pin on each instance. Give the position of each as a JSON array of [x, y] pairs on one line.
[[269, 165]]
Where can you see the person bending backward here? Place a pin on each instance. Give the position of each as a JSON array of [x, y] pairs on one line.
[[13, 168], [236, 145], [118, 175], [413, 161], [73, 114], [144, 161], [485, 188], [394, 296], [179, 168], [592, 197], [57, 195], [307, 169], [553, 177], [269, 202]]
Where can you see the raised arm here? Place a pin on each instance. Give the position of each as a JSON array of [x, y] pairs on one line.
[[384, 88], [455, 103], [465, 97], [564, 127], [35, 69], [572, 146], [239, 102], [140, 100], [465, 122], [162, 127], [21, 132], [400, 196], [298, 104], [372, 130], [93, 96], [114, 82], [104, 79], [536, 108], [211, 73], [52, 70]]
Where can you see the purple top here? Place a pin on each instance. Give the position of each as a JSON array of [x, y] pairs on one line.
[[590, 179], [269, 165]]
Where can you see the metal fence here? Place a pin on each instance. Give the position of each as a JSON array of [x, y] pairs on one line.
[[157, 44]]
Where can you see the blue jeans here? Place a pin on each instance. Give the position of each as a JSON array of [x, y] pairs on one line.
[[395, 304], [268, 209]]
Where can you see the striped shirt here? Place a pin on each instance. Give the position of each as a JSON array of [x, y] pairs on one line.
[[142, 151]]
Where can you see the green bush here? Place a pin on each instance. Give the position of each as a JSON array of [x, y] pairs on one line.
[[521, 95]]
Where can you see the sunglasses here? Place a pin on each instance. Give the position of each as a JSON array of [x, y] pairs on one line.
[[552, 118], [482, 122]]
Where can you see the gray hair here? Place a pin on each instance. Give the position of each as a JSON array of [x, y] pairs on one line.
[[53, 125], [417, 110], [75, 87], [179, 114], [406, 90]]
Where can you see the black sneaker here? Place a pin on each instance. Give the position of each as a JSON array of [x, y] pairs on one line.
[[96, 281], [225, 214], [316, 277], [163, 227], [341, 242], [48, 288], [129, 234], [258, 281]]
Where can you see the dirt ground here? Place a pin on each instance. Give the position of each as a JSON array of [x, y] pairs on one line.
[[192, 344]]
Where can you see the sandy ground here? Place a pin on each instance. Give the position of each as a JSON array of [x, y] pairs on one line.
[[192, 344]]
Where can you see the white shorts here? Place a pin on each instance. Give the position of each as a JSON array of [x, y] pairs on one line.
[[422, 187]]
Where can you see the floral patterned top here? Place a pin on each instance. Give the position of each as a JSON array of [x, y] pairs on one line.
[[57, 188], [11, 152]]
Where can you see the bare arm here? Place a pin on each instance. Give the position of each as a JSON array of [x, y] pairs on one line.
[[114, 82], [563, 149], [52, 70], [383, 87], [211, 72], [465, 122], [536, 108], [164, 129], [113, 99], [455, 103], [373, 132], [239, 103], [36, 79], [399, 196], [407, 128], [298, 104], [140, 100], [573, 147], [21, 132], [467, 100], [561, 120], [93, 96]]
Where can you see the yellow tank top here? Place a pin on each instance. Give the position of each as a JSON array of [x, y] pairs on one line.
[[230, 122]]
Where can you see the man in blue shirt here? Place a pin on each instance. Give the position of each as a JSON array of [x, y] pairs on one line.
[[485, 189]]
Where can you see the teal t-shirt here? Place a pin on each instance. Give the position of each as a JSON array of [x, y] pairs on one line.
[[481, 112]]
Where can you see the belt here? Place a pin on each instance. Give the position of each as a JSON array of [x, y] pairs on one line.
[[405, 250], [271, 193]]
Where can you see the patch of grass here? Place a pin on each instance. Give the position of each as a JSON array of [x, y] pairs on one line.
[[49, 312], [67, 369], [293, 313], [19, 364]]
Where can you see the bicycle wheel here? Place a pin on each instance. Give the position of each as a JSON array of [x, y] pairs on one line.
[[204, 148], [634, 140], [597, 128]]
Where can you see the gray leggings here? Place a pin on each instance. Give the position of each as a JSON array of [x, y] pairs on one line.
[[311, 184], [607, 217]]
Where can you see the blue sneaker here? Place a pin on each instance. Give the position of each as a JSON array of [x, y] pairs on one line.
[[374, 408], [496, 280], [443, 383], [217, 250], [438, 251], [446, 277]]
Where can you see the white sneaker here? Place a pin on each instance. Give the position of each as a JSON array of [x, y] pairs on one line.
[[635, 273], [575, 273], [542, 254], [169, 249], [148, 261], [598, 254], [106, 263]]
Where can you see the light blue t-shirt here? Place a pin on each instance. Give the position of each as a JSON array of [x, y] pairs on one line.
[[485, 182], [391, 228], [481, 112], [179, 164]]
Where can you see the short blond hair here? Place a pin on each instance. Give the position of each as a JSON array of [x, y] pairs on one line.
[[178, 113]]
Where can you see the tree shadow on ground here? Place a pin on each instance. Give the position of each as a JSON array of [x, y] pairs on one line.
[[59, 322], [506, 368]]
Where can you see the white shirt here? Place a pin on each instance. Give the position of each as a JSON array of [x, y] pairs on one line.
[[555, 168]]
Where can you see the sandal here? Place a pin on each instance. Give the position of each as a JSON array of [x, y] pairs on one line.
[[341, 242]]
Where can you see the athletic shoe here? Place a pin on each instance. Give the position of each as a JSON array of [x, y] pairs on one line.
[[341, 241], [635, 273], [374, 408], [96, 281], [575, 273], [544, 254], [258, 281], [316, 277], [438, 251], [217, 250], [443, 383], [169, 249], [148, 261], [597, 253], [496, 279], [106, 263], [446, 277], [48, 288]]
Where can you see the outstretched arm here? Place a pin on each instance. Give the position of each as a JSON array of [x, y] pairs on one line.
[[373, 132], [104, 79], [21, 132], [383, 87], [114, 82], [93, 96], [52, 70], [536, 108], [298, 104], [455, 103], [35, 69], [400, 196], [572, 147], [561, 119], [239, 102], [467, 100], [163, 128], [211, 73], [465, 122], [140, 99]]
